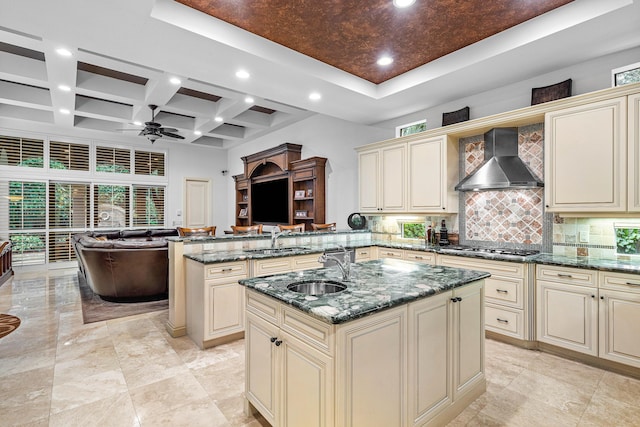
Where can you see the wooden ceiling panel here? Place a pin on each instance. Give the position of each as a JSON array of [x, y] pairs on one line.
[[352, 35]]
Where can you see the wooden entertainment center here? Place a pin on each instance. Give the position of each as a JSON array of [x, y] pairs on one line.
[[276, 177]]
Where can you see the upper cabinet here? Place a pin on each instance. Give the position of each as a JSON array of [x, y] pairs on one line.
[[382, 179], [633, 127], [585, 157], [416, 175]]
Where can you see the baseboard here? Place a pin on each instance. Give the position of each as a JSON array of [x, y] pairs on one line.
[[175, 332]]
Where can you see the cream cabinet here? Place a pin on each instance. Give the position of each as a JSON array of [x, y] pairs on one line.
[[409, 255], [366, 254], [507, 294], [433, 174], [215, 302], [390, 253], [287, 264], [288, 378], [585, 157], [567, 308], [619, 320], [444, 329], [382, 179], [633, 152]]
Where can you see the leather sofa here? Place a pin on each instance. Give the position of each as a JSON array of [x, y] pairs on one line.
[[125, 265]]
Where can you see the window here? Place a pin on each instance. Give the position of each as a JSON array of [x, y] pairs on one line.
[[413, 230], [149, 163], [23, 152], [111, 206], [625, 75], [410, 128], [69, 205], [27, 221], [148, 206], [627, 239], [113, 160], [64, 155], [60, 247]]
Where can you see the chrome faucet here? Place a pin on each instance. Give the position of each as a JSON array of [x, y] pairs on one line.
[[344, 264], [274, 237]]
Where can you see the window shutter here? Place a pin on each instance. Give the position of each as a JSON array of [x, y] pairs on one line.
[[148, 206], [111, 206], [149, 163], [25, 152], [69, 205], [27, 248], [60, 247], [113, 160], [64, 155], [27, 205]]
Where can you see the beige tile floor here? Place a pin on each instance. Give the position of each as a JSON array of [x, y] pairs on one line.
[[55, 371]]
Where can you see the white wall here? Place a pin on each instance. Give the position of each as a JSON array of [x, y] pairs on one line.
[[321, 136], [586, 77]]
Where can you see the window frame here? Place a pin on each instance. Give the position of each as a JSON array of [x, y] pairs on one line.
[[620, 70], [406, 125]]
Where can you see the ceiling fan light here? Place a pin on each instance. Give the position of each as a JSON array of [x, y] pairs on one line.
[[403, 3], [137, 123], [152, 137]]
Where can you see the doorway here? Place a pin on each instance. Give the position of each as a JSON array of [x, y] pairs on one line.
[[197, 211]]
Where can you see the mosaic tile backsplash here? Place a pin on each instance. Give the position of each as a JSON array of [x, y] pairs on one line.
[[505, 216]]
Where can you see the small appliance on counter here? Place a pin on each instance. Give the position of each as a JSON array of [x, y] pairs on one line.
[[444, 234]]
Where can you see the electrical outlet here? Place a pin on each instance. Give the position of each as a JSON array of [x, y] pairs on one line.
[[584, 237]]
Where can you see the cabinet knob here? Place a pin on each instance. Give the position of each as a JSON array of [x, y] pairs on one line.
[[458, 299], [453, 300], [593, 296], [444, 207], [601, 297], [546, 206], [278, 343], [273, 339]]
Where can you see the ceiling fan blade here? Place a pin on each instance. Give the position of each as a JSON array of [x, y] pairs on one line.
[[164, 129], [171, 135], [137, 130]]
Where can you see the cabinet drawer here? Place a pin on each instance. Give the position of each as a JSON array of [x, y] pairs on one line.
[[504, 321], [504, 290], [426, 257], [620, 281], [389, 253], [364, 254], [314, 332], [264, 267], [221, 271], [574, 276], [265, 307], [305, 262], [496, 268]]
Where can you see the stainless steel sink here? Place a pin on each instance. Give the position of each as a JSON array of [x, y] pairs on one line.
[[317, 287], [276, 250]]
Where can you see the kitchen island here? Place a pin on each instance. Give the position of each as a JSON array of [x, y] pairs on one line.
[[403, 345]]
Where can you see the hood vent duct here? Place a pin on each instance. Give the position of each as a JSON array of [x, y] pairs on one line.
[[502, 169]]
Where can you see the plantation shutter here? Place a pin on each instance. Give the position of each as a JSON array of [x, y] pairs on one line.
[[149, 163], [148, 206], [25, 152], [64, 155], [111, 206], [113, 160]]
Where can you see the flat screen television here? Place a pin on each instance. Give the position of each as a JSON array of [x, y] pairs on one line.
[[270, 201]]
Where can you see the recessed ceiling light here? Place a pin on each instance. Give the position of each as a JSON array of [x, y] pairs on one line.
[[242, 74], [197, 132], [218, 119], [315, 96], [403, 3], [249, 100], [63, 52], [137, 123], [64, 111], [64, 88], [385, 60], [175, 81]]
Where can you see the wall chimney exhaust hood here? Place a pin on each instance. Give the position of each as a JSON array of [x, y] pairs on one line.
[[502, 169]]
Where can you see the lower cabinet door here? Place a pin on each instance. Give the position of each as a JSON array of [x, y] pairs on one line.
[[225, 313], [468, 337], [430, 348], [260, 375], [567, 316], [620, 327], [307, 388]]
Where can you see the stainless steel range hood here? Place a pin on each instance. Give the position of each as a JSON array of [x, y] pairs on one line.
[[502, 169]]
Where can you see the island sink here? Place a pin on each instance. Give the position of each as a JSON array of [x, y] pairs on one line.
[[317, 287], [275, 251]]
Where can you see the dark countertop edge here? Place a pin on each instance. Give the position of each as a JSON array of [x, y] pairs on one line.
[[344, 317], [240, 237]]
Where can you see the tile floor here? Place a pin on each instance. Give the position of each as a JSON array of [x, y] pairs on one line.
[[55, 371]]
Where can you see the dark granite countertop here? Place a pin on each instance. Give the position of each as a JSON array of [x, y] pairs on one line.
[[374, 286], [604, 264]]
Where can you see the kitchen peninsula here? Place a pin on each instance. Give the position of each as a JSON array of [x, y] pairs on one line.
[[402, 345]]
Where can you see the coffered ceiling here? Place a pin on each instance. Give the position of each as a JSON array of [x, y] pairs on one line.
[[125, 55]]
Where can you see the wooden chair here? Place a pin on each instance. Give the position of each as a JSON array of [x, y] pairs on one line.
[[204, 231], [247, 229], [324, 227], [295, 228]]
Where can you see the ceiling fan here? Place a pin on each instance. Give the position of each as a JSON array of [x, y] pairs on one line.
[[154, 130]]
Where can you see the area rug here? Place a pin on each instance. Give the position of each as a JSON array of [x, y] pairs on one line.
[[8, 324], [95, 309]]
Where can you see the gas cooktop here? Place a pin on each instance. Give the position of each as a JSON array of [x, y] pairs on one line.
[[498, 251]]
